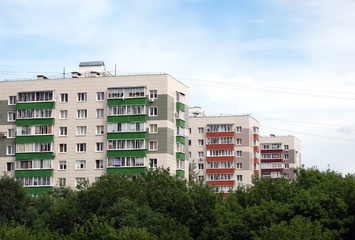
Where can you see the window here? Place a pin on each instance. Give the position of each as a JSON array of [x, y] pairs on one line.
[[81, 147], [153, 94], [64, 97], [62, 165], [189, 154], [200, 154], [80, 181], [200, 142], [10, 150], [200, 130], [239, 153], [153, 162], [80, 130], [287, 175], [97, 179], [200, 166], [62, 147], [239, 141], [11, 133], [122, 93], [153, 145], [63, 114], [126, 162], [189, 142], [287, 165], [99, 147], [80, 164], [190, 130], [266, 147], [82, 97], [239, 165], [9, 166], [100, 96], [62, 182], [239, 178], [201, 178], [286, 147], [12, 100], [99, 130], [153, 128], [286, 156], [276, 146], [11, 116], [99, 113], [99, 164], [153, 111], [63, 131], [82, 113], [238, 129]]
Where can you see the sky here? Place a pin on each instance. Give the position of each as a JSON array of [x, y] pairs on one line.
[[288, 63]]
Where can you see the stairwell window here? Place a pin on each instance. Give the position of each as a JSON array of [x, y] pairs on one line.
[[81, 147], [100, 96], [153, 94], [82, 114], [64, 97], [153, 111], [153, 146], [82, 97], [80, 164]]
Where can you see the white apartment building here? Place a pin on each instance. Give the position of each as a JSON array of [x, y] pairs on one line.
[[61, 132], [224, 149], [280, 156]]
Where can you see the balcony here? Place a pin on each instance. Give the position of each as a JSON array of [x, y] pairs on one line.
[[220, 146], [255, 136], [256, 160], [256, 149]]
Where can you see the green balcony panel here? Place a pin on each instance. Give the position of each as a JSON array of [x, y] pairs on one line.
[[127, 135], [180, 123], [127, 170], [180, 106], [37, 138], [35, 121], [129, 118], [38, 190], [34, 155], [127, 101], [34, 173], [180, 173], [126, 153], [180, 139], [180, 156], [36, 105]]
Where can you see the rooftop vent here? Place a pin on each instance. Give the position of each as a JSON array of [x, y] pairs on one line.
[[75, 74], [41, 77]]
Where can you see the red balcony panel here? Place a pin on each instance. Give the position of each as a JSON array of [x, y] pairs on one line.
[[256, 172], [270, 160], [220, 170], [225, 195], [255, 136], [221, 183], [220, 134], [222, 159], [271, 170], [272, 151], [220, 146], [256, 160], [256, 149]]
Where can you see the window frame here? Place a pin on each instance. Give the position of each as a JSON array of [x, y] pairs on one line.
[[12, 100], [80, 147], [99, 95], [154, 142], [82, 97], [65, 129], [100, 163], [154, 113], [64, 97], [99, 130], [82, 164], [62, 165], [100, 113], [153, 127], [62, 146], [13, 116], [99, 148]]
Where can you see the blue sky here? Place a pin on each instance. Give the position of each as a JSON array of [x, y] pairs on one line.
[[289, 63]]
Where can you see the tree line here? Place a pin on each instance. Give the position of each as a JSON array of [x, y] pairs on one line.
[[156, 205]]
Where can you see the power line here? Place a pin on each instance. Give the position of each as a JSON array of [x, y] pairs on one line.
[[310, 134]]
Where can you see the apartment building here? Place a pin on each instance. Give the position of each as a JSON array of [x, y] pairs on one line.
[[280, 156], [224, 149], [62, 132]]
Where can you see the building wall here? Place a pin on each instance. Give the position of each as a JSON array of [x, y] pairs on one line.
[[249, 127], [166, 102], [290, 154]]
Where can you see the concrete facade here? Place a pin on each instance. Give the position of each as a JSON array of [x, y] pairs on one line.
[[224, 149], [88, 109], [280, 156]]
